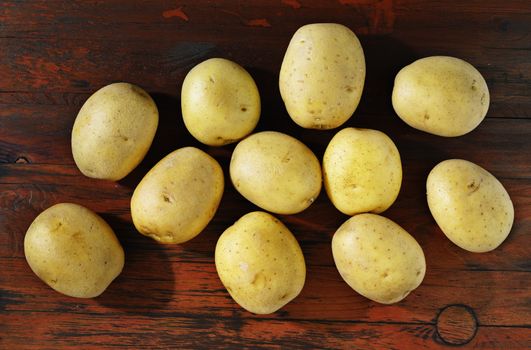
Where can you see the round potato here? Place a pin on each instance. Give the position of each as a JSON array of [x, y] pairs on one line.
[[441, 95], [276, 172], [470, 205], [322, 75], [260, 263], [378, 258], [178, 197], [73, 250], [113, 131], [220, 102], [362, 171]]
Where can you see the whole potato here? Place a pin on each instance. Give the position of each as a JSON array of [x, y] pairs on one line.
[[445, 96], [470, 205], [220, 102], [178, 197], [362, 171], [276, 172], [73, 250], [113, 131], [260, 263], [378, 258], [322, 75]]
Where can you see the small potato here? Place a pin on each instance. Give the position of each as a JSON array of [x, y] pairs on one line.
[[220, 102], [276, 172], [73, 250], [441, 95], [178, 197], [113, 131], [470, 205], [260, 263], [322, 75], [378, 258], [362, 171]]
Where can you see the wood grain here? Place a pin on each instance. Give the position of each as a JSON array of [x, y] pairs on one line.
[[56, 53]]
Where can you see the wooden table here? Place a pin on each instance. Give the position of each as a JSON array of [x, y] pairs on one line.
[[54, 54]]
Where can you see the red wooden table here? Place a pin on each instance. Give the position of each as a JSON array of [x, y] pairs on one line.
[[54, 54]]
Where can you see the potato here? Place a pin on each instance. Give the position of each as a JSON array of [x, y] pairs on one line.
[[178, 197], [276, 172], [113, 131], [362, 171], [220, 102], [470, 205], [260, 263], [322, 75], [378, 258], [73, 250], [441, 95]]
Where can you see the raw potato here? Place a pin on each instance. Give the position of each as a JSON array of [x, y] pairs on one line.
[[220, 102], [362, 171], [378, 258], [260, 263], [276, 172], [445, 96], [470, 205], [73, 250], [322, 75], [178, 197], [113, 131]]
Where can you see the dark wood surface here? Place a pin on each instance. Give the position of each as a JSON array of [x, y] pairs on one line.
[[54, 54]]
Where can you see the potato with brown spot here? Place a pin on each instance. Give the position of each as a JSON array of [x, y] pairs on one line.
[[73, 250], [378, 258], [470, 205], [260, 263], [113, 131], [178, 197]]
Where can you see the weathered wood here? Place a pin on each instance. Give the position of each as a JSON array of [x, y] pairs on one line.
[[54, 54]]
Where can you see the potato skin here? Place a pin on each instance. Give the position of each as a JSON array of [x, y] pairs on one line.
[[276, 172], [260, 263], [362, 171], [113, 131], [441, 95], [378, 258], [322, 75], [178, 197], [470, 205], [73, 250], [220, 102]]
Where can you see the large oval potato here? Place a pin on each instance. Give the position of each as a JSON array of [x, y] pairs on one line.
[[260, 263], [276, 172], [445, 96], [362, 171], [378, 258], [322, 75], [178, 197], [113, 131], [470, 205], [220, 102], [73, 250]]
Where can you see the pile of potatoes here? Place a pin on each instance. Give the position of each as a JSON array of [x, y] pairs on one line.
[[258, 259]]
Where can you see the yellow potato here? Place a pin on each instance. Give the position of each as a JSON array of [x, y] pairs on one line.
[[113, 131], [470, 205], [322, 75], [276, 172], [220, 102], [178, 197], [73, 250], [445, 96], [260, 263], [378, 258], [362, 171]]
